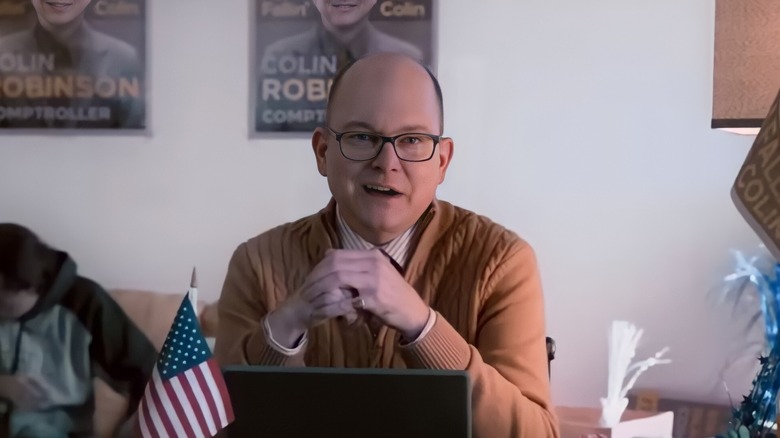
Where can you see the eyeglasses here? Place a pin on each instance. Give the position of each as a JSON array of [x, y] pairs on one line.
[[364, 146]]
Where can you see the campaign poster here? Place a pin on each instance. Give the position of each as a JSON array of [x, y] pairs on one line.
[[300, 45], [73, 64], [756, 191]]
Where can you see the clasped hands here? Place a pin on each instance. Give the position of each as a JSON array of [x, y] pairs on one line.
[[354, 284]]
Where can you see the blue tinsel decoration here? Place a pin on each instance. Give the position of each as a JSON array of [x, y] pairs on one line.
[[757, 412]]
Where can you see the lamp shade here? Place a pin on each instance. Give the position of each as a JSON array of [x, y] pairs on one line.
[[746, 74]]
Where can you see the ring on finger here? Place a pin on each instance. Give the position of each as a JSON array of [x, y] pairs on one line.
[[358, 303]]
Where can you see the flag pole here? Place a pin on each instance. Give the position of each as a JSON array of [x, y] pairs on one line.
[[193, 291]]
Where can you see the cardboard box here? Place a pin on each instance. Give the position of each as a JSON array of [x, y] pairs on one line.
[[578, 422], [691, 419]]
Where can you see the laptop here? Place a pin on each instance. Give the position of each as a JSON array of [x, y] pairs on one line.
[[272, 402]]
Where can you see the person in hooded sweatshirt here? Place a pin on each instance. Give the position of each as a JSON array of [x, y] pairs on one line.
[[58, 330]]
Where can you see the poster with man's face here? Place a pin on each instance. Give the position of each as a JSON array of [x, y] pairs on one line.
[[73, 64], [300, 45]]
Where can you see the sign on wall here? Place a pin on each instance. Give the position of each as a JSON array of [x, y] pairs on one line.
[[299, 46], [73, 64], [756, 191]]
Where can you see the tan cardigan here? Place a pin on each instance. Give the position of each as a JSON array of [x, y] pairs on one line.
[[481, 279]]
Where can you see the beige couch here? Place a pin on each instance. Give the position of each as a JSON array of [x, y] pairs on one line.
[[153, 313]]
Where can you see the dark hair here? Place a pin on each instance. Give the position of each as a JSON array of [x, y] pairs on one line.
[[343, 70], [25, 261]]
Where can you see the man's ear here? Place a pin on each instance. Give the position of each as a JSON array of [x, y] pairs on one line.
[[446, 150], [319, 143]]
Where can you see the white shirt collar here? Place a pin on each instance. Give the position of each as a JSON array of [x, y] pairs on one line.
[[397, 248]]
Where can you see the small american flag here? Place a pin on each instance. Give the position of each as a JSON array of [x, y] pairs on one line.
[[186, 396]]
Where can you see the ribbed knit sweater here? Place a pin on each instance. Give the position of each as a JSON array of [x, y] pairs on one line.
[[480, 278]]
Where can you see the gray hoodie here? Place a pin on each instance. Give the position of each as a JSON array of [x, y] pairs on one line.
[[75, 332]]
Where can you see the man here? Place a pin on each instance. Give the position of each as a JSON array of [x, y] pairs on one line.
[[343, 34], [344, 30], [93, 60], [387, 275], [57, 332]]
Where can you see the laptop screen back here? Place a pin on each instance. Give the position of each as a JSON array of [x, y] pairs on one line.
[[351, 402]]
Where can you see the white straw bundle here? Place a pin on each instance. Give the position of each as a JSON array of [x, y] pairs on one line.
[[623, 340]]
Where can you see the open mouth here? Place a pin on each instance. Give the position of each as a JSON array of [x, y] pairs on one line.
[[372, 189], [58, 5], [343, 6]]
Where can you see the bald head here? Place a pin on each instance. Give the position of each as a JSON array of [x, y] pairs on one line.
[[387, 95], [385, 70]]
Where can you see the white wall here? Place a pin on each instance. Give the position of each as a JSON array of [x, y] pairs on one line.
[[581, 125]]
